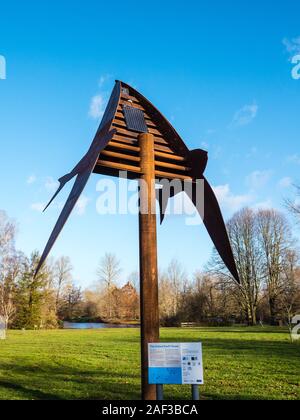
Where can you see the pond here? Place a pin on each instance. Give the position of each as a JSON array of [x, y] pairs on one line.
[[94, 326]]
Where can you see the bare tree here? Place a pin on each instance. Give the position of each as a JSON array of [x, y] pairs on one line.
[[62, 277], [9, 268], [172, 285], [134, 279], [294, 205], [289, 299], [7, 234], [166, 305], [108, 273], [72, 302], [276, 241], [243, 234]]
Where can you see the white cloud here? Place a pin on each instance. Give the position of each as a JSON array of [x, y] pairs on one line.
[[294, 159], [31, 179], [103, 79], [292, 45], [244, 116], [258, 179], [229, 201], [97, 107], [263, 205], [51, 185], [82, 205], [285, 182], [39, 207], [98, 102]]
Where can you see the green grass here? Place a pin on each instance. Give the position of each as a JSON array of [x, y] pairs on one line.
[[240, 363]]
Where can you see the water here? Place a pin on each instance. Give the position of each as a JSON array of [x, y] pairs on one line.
[[93, 326]]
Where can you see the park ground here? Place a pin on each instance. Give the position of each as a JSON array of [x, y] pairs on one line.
[[240, 363]]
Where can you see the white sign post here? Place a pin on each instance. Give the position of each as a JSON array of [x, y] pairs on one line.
[[176, 364]]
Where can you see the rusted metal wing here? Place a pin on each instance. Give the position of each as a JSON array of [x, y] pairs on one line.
[[84, 172], [78, 187], [215, 226], [212, 217]]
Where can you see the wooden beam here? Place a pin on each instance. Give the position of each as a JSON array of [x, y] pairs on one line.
[[169, 175], [133, 142], [108, 153], [134, 135], [135, 169], [170, 156], [136, 149], [148, 260], [172, 166], [119, 166], [124, 146]]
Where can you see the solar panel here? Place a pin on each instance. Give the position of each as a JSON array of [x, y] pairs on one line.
[[135, 119]]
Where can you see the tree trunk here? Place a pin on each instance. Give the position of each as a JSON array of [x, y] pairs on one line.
[[272, 306]]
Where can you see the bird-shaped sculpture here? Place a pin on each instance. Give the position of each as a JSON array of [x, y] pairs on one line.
[[116, 148]]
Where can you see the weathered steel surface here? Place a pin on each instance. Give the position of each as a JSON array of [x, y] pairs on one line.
[[212, 217], [83, 174], [148, 260], [169, 149], [170, 134], [83, 171]]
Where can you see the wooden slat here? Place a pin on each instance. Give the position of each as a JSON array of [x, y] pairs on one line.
[[172, 166], [124, 147], [119, 166], [135, 169], [162, 148], [120, 156], [137, 159], [136, 149], [129, 97], [134, 142], [125, 140], [155, 131], [119, 123], [122, 102], [132, 134], [169, 156], [124, 132], [169, 175]]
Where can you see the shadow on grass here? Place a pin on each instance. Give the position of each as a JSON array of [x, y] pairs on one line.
[[28, 393], [71, 383], [233, 330], [257, 347]]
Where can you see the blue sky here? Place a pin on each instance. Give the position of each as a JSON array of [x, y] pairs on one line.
[[220, 71]]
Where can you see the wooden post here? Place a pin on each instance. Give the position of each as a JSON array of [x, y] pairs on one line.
[[148, 259]]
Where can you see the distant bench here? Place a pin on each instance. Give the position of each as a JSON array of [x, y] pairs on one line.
[[189, 324]]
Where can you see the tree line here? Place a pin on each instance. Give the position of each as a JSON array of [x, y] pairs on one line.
[[265, 251]]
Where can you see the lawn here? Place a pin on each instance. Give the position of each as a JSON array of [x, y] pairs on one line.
[[240, 363]]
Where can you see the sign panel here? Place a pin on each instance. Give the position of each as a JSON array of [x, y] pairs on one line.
[[175, 364]]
